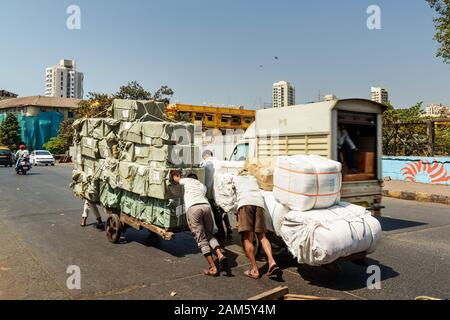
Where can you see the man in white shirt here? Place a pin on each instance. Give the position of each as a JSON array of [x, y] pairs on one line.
[[219, 216], [347, 147], [200, 221]]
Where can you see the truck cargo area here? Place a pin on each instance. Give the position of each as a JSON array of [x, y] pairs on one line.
[[362, 130]]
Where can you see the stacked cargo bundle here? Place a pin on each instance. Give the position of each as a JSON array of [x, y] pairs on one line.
[[124, 162]]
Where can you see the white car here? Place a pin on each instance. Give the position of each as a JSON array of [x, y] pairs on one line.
[[42, 157]]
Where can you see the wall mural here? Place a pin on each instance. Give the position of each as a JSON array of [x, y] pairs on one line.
[[426, 171]]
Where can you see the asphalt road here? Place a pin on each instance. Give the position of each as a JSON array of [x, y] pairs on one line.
[[40, 238]]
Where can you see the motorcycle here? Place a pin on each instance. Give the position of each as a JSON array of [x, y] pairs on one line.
[[24, 166]]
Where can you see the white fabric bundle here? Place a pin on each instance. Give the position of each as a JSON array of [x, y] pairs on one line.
[[228, 167], [320, 237], [307, 182], [275, 211], [224, 192], [248, 192]]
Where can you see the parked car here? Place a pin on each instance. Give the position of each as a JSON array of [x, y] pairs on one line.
[[42, 157], [6, 157]]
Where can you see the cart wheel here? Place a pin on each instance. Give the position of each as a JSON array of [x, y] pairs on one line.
[[113, 228]]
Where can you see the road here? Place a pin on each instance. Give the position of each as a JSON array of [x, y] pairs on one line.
[[41, 238]]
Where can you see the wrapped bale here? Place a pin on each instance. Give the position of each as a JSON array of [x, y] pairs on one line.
[[133, 110], [320, 237], [107, 149], [167, 214], [131, 132], [158, 134], [89, 147], [275, 210], [167, 155], [90, 166], [307, 182], [102, 128], [85, 187], [109, 197], [109, 172], [80, 127]]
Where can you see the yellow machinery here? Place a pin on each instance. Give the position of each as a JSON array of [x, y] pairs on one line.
[[213, 117]]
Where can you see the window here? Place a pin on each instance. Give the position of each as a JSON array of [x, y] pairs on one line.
[[70, 114], [210, 117], [240, 153], [198, 117]]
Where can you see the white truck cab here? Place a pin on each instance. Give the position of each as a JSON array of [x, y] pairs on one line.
[[314, 129]]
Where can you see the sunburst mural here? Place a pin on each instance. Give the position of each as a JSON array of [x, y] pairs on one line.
[[426, 171]]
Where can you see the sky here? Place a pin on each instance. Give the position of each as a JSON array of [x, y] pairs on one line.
[[223, 52]]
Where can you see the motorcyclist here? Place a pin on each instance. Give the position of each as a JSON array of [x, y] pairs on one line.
[[21, 154]]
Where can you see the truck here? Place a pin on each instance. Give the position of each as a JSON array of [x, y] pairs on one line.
[[314, 129]]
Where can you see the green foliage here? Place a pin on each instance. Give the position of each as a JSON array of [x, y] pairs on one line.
[[55, 146], [442, 24], [10, 135], [96, 106], [65, 136], [133, 91], [405, 133]]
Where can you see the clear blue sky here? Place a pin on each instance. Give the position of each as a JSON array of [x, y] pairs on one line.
[[210, 51]]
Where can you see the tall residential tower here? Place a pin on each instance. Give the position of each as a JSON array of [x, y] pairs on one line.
[[379, 95], [283, 94], [64, 81]]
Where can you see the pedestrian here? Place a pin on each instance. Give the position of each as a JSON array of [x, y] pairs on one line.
[[87, 206], [220, 216], [200, 221], [252, 224]]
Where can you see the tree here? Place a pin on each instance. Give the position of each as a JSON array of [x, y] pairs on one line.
[[10, 135], [403, 132], [96, 106], [442, 23], [65, 135], [56, 146], [133, 91]]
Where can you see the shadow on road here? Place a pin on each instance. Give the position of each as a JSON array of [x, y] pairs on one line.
[[392, 224], [349, 277], [183, 244]]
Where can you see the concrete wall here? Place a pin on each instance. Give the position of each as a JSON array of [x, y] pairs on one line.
[[417, 169]]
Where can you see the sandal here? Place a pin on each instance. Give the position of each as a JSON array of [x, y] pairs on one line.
[[83, 222], [249, 274], [209, 273], [273, 270]]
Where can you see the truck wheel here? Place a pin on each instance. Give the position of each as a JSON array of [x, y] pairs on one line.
[[113, 228]]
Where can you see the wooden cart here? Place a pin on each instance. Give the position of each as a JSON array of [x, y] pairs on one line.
[[118, 222]]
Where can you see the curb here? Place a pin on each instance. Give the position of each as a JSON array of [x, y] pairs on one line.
[[417, 196]]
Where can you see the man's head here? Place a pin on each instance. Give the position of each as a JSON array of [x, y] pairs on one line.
[[176, 176], [193, 176], [22, 147], [207, 154]]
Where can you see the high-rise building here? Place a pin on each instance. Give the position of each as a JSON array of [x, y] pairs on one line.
[[64, 81], [379, 95], [437, 110], [283, 94]]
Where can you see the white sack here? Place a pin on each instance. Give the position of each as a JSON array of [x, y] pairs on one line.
[[275, 211], [307, 182], [224, 193], [320, 237]]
